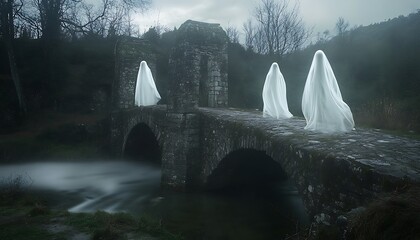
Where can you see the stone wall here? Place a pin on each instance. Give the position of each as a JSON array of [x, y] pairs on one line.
[[129, 52], [333, 173], [176, 133], [123, 121], [198, 67], [181, 149]]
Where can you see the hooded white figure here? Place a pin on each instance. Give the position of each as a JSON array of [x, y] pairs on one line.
[[322, 103], [146, 92], [274, 94]]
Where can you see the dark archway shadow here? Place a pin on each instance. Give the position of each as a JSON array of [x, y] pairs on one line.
[[142, 145], [251, 176], [245, 170]]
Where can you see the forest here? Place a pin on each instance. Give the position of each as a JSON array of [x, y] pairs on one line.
[[376, 67]]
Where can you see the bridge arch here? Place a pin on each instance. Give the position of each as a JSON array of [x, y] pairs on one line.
[[222, 139], [245, 168], [138, 132], [142, 143]]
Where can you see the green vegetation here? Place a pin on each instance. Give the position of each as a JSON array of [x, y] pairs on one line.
[[391, 217], [58, 136]]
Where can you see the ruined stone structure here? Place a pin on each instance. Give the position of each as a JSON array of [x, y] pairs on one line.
[[129, 52], [198, 70], [198, 66], [198, 77], [333, 173]]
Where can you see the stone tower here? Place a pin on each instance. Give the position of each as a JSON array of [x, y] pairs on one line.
[[198, 67]]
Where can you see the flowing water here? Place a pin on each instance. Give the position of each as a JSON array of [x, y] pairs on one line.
[[135, 188]]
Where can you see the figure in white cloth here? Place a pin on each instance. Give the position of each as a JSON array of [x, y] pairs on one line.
[[322, 103], [274, 94], [146, 92]]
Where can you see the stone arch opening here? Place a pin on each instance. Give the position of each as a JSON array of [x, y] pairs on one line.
[[249, 175], [245, 169], [141, 144]]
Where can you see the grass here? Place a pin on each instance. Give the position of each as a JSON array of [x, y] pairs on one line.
[[34, 148], [55, 135], [396, 116], [24, 231], [393, 217], [102, 225]]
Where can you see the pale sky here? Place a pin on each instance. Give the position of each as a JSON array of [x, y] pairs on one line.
[[319, 14]]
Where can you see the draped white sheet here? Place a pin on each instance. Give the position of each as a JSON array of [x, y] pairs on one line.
[[146, 92], [322, 103], [274, 94]]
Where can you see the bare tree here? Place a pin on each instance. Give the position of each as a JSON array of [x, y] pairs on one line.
[[341, 26], [249, 34], [232, 34], [56, 19], [80, 17], [255, 38], [278, 29], [8, 12], [323, 37]]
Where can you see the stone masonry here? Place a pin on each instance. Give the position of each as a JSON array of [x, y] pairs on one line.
[[198, 66], [198, 70], [333, 173], [129, 52]]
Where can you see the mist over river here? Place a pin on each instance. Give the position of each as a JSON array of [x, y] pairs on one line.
[[121, 186]]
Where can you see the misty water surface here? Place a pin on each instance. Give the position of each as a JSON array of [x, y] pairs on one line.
[[114, 186]]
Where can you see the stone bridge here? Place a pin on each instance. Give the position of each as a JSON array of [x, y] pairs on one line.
[[333, 173], [196, 131]]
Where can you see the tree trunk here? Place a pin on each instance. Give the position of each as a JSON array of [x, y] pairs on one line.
[[7, 30], [15, 76]]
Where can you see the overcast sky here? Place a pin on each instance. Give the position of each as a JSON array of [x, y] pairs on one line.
[[319, 14]]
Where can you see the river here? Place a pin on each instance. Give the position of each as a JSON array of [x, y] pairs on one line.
[[113, 186]]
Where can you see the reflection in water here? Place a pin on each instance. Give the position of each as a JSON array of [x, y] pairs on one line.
[[135, 188]]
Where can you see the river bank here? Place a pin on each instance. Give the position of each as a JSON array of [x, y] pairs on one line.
[[26, 215], [57, 135]]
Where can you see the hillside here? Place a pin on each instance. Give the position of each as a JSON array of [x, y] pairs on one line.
[[376, 67]]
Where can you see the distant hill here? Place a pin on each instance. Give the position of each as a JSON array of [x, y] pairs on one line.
[[377, 67]]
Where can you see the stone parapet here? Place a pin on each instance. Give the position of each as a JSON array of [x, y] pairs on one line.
[[334, 173]]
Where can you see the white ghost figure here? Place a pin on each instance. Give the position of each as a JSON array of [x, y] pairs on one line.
[[146, 92], [322, 103], [274, 94]]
